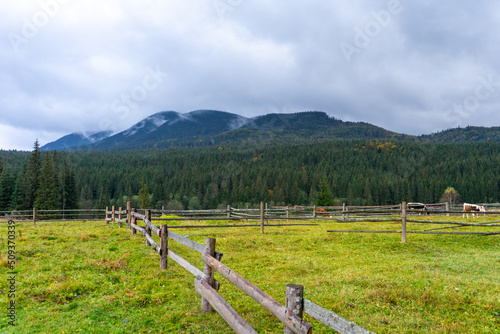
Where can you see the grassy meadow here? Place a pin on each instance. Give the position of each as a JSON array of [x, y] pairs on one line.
[[86, 277]]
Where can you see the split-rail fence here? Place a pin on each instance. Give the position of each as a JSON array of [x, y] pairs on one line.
[[207, 287]]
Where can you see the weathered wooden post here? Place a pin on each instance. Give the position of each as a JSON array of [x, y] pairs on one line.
[[262, 217], [287, 214], [209, 272], [247, 213], [134, 221], [107, 210], [113, 212], [147, 228], [447, 208], [294, 301], [314, 212], [129, 214], [34, 216], [229, 211], [403, 222], [120, 217], [343, 210], [164, 246]]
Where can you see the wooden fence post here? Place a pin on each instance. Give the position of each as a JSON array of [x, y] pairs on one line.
[[229, 211], [34, 216], [447, 208], [209, 272], [287, 214], [294, 301], [403, 222], [343, 210], [314, 212], [164, 246], [134, 221], [262, 217], [120, 217], [247, 213], [107, 210], [147, 228], [113, 211], [129, 214]]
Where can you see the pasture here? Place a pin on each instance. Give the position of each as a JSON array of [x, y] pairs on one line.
[[86, 277]]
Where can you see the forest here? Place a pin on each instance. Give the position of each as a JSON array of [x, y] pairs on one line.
[[354, 172]]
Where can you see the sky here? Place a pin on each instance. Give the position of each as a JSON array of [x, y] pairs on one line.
[[409, 66]]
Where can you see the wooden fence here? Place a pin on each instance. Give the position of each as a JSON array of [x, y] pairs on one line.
[[403, 212], [281, 216], [35, 215], [207, 287]]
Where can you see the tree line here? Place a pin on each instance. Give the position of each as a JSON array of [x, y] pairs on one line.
[[351, 172], [43, 181]]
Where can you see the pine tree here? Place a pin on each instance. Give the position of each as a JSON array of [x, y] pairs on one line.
[[69, 196], [324, 197], [6, 188], [86, 202], [103, 199], [46, 197], [57, 179], [30, 179], [144, 196]]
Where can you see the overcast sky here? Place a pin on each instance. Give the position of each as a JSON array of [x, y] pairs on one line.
[[409, 66]]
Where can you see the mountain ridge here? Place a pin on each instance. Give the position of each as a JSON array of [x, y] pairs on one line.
[[213, 127]]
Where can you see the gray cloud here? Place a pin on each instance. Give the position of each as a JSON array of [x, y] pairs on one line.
[[70, 66]]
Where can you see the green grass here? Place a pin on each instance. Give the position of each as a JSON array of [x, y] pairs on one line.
[[85, 277]]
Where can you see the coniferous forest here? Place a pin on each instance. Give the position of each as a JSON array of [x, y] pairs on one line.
[[355, 172]]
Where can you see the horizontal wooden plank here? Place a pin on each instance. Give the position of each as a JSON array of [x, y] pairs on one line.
[[420, 232], [147, 236], [360, 231], [286, 316], [154, 229], [191, 244], [185, 264], [186, 242], [138, 215], [333, 320], [234, 320]]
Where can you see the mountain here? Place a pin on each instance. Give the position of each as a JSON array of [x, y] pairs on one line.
[[169, 126], [212, 127], [77, 140], [467, 134]]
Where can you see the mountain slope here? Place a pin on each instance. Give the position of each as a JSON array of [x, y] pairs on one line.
[[211, 127], [76, 140], [467, 134], [163, 127]]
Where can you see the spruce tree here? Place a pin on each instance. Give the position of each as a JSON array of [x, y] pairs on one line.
[[30, 179], [6, 188], [103, 200], [86, 198], [324, 197], [46, 197], [144, 196], [69, 196]]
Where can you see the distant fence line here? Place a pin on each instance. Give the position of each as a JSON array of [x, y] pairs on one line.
[[340, 214], [281, 216], [35, 215]]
